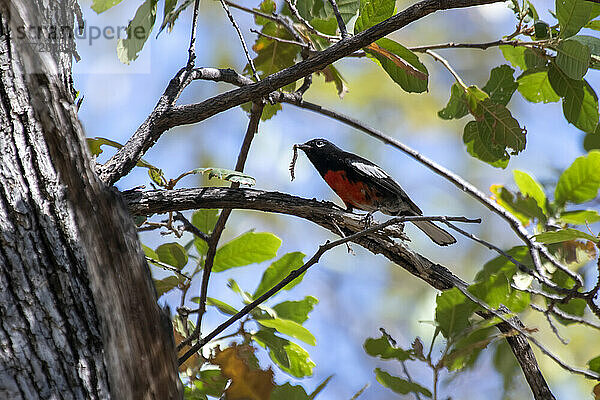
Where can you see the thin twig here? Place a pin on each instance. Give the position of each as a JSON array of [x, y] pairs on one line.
[[280, 40], [446, 64], [289, 278], [588, 374], [307, 24], [192, 48], [242, 41], [167, 267], [215, 236], [555, 329], [189, 227], [560, 313], [340, 20], [481, 46]]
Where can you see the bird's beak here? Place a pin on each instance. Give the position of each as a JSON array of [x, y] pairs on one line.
[[302, 146]]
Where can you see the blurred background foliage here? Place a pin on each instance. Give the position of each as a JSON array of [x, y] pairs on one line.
[[357, 294]]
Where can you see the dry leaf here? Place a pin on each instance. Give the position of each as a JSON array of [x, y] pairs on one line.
[[248, 382]]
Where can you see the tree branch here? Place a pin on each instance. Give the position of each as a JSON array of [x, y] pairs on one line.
[[340, 20], [329, 216], [126, 157]]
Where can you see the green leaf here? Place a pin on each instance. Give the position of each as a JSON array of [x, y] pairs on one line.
[[580, 217], [530, 187], [535, 87], [289, 356], [522, 57], [592, 141], [381, 347], [580, 103], [477, 137], [452, 312], [573, 58], [279, 270], [506, 131], [580, 182], [541, 30], [138, 31], [457, 105], [496, 290], [95, 145], [595, 25], [575, 307], [401, 64], [205, 220], [246, 249], [372, 12], [102, 5], [594, 364], [164, 285], [149, 252], [572, 15], [501, 85], [210, 382], [521, 207], [465, 351], [564, 235], [171, 14], [290, 328], [173, 254], [220, 305], [399, 385], [506, 364], [227, 175], [288, 391], [593, 43], [296, 311]]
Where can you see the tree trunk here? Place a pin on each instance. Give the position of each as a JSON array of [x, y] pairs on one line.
[[78, 311]]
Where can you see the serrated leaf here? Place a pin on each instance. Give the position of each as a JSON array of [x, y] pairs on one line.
[[452, 312], [173, 254], [381, 347], [372, 12], [573, 58], [164, 285], [477, 138], [289, 328], [580, 217], [138, 31], [296, 311], [501, 85], [530, 187], [227, 175], [580, 182], [563, 235], [401, 64], [535, 87], [399, 385], [593, 43], [279, 270], [245, 249], [572, 15], [580, 103], [457, 104], [102, 5]]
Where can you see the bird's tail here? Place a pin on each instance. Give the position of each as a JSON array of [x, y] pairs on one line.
[[435, 233]]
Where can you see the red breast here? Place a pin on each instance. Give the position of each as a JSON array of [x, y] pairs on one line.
[[352, 193]]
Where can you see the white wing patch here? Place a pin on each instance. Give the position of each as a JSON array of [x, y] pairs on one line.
[[371, 170]]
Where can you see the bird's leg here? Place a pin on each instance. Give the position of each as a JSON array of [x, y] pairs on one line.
[[368, 219]]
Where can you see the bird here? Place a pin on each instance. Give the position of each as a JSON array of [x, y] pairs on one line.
[[363, 185]]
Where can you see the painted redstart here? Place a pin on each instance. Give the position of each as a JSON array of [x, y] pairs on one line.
[[365, 186]]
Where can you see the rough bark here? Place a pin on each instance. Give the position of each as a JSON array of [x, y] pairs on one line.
[[78, 312]]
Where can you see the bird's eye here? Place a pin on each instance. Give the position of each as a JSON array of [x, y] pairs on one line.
[[320, 143]]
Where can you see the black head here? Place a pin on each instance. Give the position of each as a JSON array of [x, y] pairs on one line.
[[318, 146], [322, 154]]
